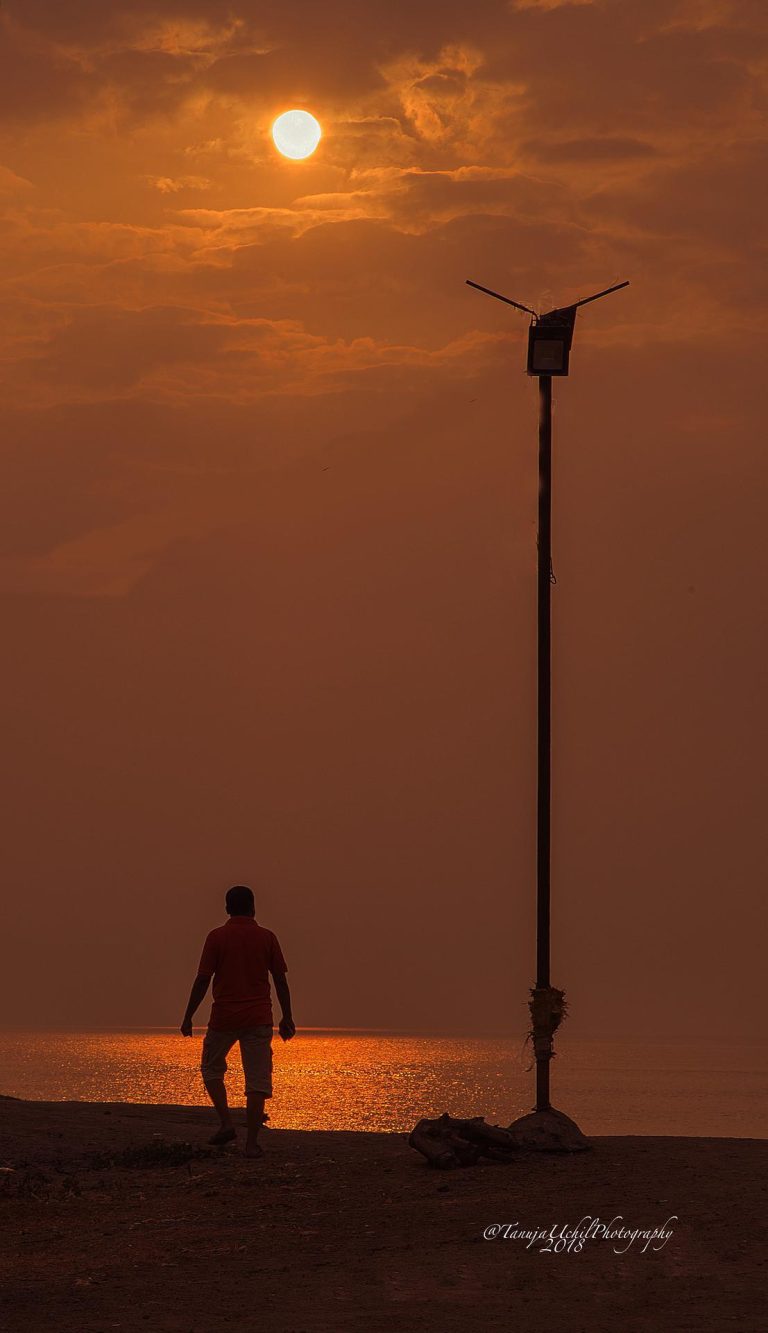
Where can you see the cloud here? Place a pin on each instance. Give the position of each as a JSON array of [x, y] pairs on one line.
[[11, 183], [550, 4], [174, 184], [269, 465], [607, 148], [107, 562], [448, 150], [169, 354], [699, 15]]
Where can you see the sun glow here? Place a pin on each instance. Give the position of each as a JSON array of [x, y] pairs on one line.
[[296, 134]]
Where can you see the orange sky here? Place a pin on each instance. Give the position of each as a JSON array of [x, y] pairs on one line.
[[268, 504]]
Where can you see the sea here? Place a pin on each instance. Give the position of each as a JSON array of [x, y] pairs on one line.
[[363, 1080]]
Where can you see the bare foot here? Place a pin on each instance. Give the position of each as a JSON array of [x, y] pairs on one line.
[[222, 1136], [254, 1150]]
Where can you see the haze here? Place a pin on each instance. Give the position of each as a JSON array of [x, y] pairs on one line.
[[269, 494]]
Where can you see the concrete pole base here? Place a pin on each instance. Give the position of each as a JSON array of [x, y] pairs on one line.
[[548, 1131]]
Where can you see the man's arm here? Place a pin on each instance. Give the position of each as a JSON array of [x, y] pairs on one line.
[[196, 997], [287, 1027]]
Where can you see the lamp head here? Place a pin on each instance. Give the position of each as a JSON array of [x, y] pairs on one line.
[[549, 342], [550, 336]]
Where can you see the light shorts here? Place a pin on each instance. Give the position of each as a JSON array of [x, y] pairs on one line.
[[255, 1052]]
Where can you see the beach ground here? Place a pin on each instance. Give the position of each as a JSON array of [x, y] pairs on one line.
[[118, 1217]]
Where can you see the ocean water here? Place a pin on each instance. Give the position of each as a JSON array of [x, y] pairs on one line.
[[386, 1081]]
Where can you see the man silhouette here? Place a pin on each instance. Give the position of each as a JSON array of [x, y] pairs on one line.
[[240, 956]]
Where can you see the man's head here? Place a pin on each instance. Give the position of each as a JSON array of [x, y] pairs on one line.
[[239, 901]]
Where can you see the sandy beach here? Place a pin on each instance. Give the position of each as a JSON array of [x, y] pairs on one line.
[[119, 1217]]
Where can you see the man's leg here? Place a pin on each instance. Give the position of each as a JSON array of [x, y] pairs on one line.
[[254, 1114], [216, 1089], [216, 1046], [256, 1052]]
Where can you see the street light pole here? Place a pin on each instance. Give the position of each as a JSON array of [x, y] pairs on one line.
[[544, 709], [549, 347]]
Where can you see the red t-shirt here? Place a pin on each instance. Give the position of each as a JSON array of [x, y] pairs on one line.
[[240, 956]]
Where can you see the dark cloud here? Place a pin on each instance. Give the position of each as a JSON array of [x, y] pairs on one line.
[[317, 69], [611, 148], [711, 199], [36, 80], [113, 349]]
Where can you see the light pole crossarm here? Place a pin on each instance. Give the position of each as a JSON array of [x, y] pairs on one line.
[[597, 295], [507, 300]]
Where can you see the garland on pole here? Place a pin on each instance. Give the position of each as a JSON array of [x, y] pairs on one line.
[[547, 1007]]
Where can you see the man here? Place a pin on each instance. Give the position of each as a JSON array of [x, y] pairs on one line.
[[240, 956]]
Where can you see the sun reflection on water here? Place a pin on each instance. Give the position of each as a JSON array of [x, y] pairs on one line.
[[322, 1080], [379, 1081]]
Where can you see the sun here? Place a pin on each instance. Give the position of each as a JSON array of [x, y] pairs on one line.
[[296, 134]]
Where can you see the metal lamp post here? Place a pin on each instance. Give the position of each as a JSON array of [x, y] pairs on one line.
[[549, 344]]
